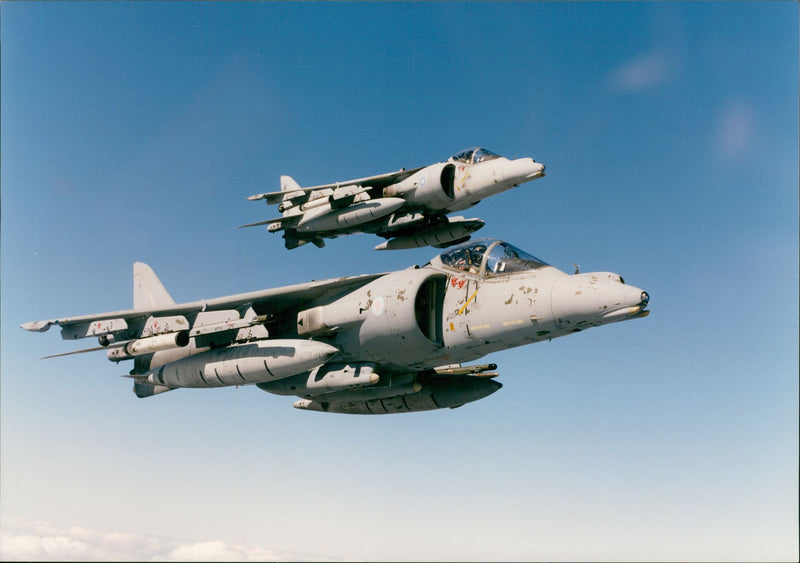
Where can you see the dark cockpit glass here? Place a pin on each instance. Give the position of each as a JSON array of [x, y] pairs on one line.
[[474, 155], [482, 155], [504, 259], [500, 257], [466, 257]]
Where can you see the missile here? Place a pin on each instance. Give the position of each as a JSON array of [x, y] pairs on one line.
[[313, 204], [340, 197], [149, 345], [328, 219], [325, 379], [484, 370], [241, 364], [456, 229]]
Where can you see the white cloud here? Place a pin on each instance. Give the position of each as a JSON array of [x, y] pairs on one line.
[[221, 551], [36, 541], [642, 71], [736, 128]]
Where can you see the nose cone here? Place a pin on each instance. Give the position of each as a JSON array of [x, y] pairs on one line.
[[586, 300], [523, 170]]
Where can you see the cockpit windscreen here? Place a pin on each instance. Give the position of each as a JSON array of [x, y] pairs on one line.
[[504, 258], [501, 258], [467, 257], [474, 155]]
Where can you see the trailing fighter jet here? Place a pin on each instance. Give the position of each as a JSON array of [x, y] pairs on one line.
[[370, 344], [408, 207]]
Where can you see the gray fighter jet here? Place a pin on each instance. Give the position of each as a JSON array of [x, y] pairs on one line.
[[371, 344], [408, 207]]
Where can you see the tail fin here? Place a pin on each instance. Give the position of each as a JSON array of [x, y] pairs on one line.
[[289, 186], [148, 291]]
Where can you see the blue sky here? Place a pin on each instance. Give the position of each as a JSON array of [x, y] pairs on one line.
[[134, 131]]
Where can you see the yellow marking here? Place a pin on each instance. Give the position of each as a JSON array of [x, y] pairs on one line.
[[479, 327], [467, 303], [463, 179], [452, 327], [516, 322]]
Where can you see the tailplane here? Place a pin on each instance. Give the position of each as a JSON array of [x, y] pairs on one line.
[[148, 291]]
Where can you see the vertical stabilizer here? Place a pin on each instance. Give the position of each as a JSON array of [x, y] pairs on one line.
[[289, 186], [148, 291]]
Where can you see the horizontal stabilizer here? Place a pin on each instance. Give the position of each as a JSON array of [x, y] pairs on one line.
[[95, 349], [259, 223]]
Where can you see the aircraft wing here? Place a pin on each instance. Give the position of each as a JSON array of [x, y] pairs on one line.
[[379, 181], [275, 302]]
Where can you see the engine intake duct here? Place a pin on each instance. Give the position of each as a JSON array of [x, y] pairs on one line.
[[432, 187]]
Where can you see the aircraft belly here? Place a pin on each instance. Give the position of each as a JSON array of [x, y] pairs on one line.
[[469, 197]]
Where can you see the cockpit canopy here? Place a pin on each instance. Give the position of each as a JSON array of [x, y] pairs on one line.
[[490, 257], [473, 155]]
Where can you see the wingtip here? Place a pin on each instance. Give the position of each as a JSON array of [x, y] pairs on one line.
[[36, 326], [260, 223]]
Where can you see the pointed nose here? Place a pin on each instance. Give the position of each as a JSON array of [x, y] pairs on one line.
[[524, 170], [631, 304], [585, 300]]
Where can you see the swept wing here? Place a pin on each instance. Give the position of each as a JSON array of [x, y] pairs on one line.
[[273, 302], [377, 182]]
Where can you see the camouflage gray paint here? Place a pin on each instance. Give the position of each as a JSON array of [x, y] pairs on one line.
[[373, 344]]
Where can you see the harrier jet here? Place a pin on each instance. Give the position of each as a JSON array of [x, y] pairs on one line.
[[410, 208], [371, 344]]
